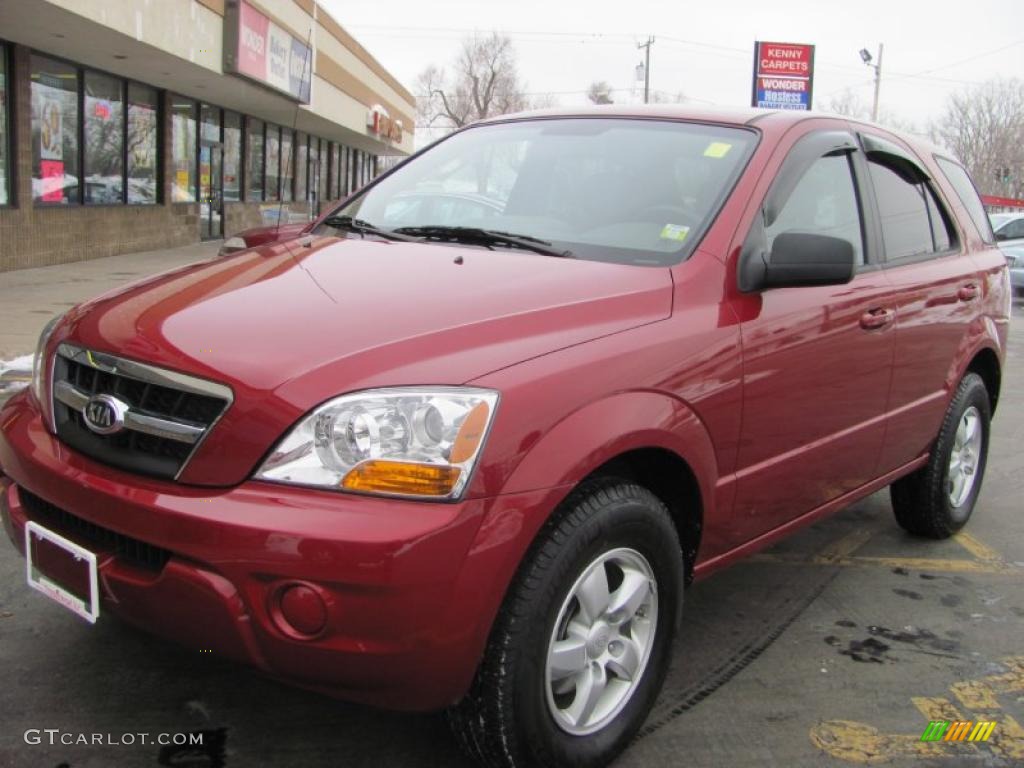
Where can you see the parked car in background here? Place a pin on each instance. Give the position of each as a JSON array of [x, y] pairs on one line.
[[1015, 260], [1010, 229], [464, 444]]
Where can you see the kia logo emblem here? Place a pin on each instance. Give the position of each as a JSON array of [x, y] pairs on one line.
[[104, 414]]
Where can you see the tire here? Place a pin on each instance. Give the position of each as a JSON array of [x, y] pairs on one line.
[[513, 717], [927, 503]]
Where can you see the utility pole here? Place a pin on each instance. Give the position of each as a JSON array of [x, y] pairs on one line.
[[647, 68], [878, 84]]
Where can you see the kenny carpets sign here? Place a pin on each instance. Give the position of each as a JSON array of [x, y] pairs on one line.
[[783, 75], [257, 48]]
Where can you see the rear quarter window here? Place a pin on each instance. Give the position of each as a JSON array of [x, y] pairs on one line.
[[968, 194]]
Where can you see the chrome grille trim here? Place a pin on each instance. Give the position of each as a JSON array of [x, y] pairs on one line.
[[140, 422], [143, 372]]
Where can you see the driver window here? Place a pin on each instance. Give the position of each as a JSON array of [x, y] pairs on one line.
[[824, 202]]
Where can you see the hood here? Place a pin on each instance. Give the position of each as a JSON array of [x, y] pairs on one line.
[[290, 325]]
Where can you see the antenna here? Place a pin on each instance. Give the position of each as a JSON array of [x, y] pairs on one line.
[[295, 125]]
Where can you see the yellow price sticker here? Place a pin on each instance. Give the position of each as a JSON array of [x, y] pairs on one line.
[[717, 149]]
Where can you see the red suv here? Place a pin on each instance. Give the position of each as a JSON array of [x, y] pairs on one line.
[[463, 444]]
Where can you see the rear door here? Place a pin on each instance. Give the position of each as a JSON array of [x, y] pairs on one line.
[[937, 294], [817, 359]]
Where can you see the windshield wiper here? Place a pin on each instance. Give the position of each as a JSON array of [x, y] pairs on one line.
[[484, 237], [364, 228]]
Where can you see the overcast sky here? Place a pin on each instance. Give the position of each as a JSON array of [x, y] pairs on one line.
[[705, 49]]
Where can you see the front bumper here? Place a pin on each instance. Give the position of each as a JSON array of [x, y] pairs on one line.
[[409, 589]]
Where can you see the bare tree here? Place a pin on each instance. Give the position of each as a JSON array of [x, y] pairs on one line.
[[600, 92], [848, 104], [984, 127], [483, 82]]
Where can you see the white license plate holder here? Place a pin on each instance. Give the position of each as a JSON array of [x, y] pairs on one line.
[[89, 607]]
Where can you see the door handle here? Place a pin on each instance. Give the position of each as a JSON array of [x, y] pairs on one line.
[[967, 292], [876, 318]]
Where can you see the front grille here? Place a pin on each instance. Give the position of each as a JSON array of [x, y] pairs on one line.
[[148, 396], [92, 536]]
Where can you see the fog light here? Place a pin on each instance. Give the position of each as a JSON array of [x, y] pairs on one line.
[[302, 610]]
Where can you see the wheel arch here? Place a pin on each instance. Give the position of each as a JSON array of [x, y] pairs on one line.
[[985, 363], [668, 476]]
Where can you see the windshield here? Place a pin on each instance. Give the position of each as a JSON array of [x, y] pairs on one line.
[[623, 190]]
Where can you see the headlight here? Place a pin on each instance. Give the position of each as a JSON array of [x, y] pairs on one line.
[[410, 441], [39, 363]]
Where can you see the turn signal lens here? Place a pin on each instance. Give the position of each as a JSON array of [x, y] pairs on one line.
[[402, 478], [470, 434]]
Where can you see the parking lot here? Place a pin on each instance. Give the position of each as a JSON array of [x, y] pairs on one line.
[[836, 647]]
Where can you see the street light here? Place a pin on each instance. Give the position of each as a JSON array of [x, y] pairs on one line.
[[867, 58]]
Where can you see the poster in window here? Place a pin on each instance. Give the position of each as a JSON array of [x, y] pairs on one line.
[[51, 130], [52, 172]]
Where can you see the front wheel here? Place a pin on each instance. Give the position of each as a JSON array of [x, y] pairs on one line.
[[583, 640], [938, 499]]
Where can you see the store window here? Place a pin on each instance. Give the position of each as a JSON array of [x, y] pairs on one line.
[[54, 131], [253, 159], [232, 156], [301, 164], [103, 115], [335, 170], [346, 171], [322, 195], [287, 164], [273, 186], [183, 153], [142, 145], [5, 147]]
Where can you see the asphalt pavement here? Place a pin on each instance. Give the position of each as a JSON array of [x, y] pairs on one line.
[[835, 648]]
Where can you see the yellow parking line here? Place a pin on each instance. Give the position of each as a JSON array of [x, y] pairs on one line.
[[976, 548], [910, 563], [934, 708], [842, 548], [935, 564]]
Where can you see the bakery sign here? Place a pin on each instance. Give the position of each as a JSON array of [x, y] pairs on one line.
[[380, 124], [258, 49]]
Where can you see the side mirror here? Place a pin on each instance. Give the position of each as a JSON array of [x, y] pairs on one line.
[[797, 259], [1002, 236]]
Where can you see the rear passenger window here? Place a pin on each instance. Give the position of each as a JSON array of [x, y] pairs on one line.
[[823, 202], [968, 195], [913, 222]]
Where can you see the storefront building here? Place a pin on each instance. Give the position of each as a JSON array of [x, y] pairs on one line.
[[131, 125]]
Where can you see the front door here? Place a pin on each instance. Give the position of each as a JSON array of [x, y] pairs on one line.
[[211, 190], [817, 359]]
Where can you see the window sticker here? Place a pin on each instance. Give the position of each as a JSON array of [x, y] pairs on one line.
[[674, 232], [717, 149]]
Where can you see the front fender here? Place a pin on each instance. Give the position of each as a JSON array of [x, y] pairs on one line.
[[568, 452], [609, 427]]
